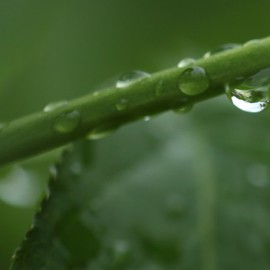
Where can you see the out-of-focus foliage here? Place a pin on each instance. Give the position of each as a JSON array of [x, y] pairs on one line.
[[212, 163], [178, 200]]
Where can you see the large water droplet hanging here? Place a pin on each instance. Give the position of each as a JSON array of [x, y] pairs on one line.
[[252, 94], [222, 48], [186, 62], [55, 105], [100, 132], [131, 77], [122, 104], [193, 81], [67, 121]]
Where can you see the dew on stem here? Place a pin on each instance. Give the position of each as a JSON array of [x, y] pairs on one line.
[[193, 81], [100, 132], [55, 105], [131, 77], [222, 48], [122, 104], [186, 62], [67, 122], [252, 94], [183, 109]]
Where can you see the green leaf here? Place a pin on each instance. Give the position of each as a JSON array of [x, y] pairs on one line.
[[158, 195]]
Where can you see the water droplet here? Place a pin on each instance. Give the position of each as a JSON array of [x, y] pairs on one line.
[[193, 81], [147, 118], [129, 78], [2, 126], [184, 109], [252, 94], [67, 121], [222, 48], [252, 42], [122, 104], [55, 105], [100, 133], [186, 62], [159, 88]]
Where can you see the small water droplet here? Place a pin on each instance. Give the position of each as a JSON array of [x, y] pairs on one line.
[[186, 62], [100, 133], [252, 42], [122, 104], [2, 126], [67, 121], [129, 78], [147, 118], [193, 81], [159, 88], [222, 48], [252, 94], [55, 105], [184, 109]]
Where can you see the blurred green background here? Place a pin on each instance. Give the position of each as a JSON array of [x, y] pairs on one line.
[[58, 50]]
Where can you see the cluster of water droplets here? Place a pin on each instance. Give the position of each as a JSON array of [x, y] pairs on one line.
[[251, 94]]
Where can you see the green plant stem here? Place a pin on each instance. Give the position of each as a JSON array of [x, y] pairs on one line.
[[35, 134]]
